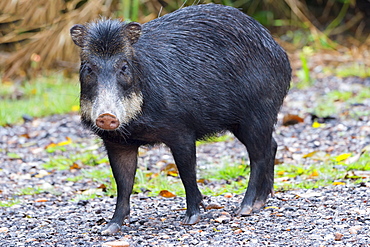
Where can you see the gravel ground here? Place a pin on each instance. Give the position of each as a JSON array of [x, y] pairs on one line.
[[331, 216]]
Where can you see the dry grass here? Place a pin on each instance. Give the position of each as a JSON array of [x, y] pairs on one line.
[[39, 32], [34, 34]]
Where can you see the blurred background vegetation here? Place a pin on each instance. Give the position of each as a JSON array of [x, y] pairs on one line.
[[34, 34]]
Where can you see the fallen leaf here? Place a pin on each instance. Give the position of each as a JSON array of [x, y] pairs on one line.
[[173, 173], [291, 119], [213, 206], [317, 155], [338, 183], [309, 154], [69, 141], [41, 200], [170, 169], [314, 173], [356, 157], [51, 145], [317, 125], [228, 195], [26, 136], [203, 181], [166, 193], [342, 157], [102, 186], [280, 172], [74, 166]]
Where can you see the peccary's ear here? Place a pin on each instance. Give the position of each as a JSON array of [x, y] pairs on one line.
[[78, 33], [133, 31]]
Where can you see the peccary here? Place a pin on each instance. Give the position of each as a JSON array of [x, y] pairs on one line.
[[182, 77]]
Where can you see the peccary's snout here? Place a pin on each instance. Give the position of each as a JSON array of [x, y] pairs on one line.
[[107, 121]]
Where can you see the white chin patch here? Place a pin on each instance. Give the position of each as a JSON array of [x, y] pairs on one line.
[[124, 109]]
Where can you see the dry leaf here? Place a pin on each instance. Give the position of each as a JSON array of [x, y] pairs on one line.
[[170, 169], [342, 157], [74, 166], [280, 172], [338, 183], [228, 195], [291, 119], [41, 200], [166, 193], [69, 141], [314, 174], [213, 206]]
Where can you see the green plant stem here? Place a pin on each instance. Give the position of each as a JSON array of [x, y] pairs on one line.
[[338, 19]]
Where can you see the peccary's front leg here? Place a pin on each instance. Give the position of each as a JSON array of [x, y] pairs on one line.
[[183, 151], [123, 160]]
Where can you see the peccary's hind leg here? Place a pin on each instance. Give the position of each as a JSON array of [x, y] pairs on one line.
[[261, 148]]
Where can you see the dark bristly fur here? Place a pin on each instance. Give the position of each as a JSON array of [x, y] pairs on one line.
[[189, 74]]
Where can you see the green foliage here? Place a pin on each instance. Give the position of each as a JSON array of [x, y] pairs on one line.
[[327, 105], [211, 139], [64, 163], [9, 202], [304, 73], [40, 97], [129, 9], [325, 173], [153, 184], [350, 69], [30, 191]]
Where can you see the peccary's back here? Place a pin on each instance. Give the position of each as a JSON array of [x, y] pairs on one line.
[[216, 56]]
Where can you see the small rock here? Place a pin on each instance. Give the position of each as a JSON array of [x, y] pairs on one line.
[[31, 240], [117, 244], [338, 236], [354, 229], [223, 219], [4, 229]]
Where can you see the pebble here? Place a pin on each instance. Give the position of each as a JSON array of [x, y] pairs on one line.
[[117, 244]]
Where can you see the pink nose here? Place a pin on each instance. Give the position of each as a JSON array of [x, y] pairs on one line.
[[107, 121]]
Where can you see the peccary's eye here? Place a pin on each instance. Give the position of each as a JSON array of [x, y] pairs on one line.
[[88, 69], [124, 67]]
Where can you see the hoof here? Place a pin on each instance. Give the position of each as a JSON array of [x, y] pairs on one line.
[[191, 220], [111, 229], [244, 211], [258, 205], [248, 210]]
